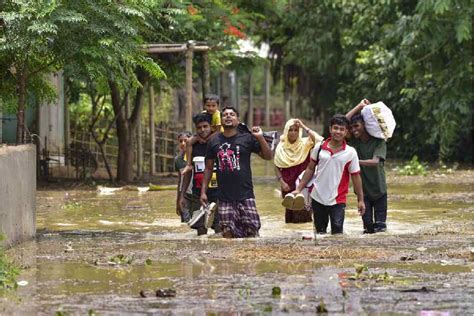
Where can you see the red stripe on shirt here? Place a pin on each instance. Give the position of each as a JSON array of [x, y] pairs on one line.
[[343, 187]]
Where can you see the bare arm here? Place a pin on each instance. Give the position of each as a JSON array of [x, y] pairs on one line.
[[315, 137], [206, 179], [370, 162], [357, 108], [308, 174], [284, 185], [357, 182]]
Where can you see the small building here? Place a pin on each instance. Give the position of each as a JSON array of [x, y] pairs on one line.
[[46, 121]]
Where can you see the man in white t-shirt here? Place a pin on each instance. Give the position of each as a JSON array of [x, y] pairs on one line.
[[333, 162]]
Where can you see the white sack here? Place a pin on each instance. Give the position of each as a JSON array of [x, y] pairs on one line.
[[379, 121]]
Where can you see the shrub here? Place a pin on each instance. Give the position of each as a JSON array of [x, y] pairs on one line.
[[8, 271], [413, 168]]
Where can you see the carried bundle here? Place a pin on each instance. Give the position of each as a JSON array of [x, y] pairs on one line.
[[378, 120]]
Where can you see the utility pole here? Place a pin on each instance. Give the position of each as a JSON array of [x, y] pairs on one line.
[[189, 86]]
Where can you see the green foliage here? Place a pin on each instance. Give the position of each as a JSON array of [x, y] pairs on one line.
[[276, 291], [413, 168], [121, 259], [8, 271], [413, 55]]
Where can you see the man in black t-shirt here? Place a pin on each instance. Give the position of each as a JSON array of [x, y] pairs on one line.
[[202, 122], [231, 150]]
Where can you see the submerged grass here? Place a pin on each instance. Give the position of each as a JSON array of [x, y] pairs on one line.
[[297, 252]]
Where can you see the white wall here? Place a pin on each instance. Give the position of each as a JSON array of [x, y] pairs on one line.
[[51, 119]]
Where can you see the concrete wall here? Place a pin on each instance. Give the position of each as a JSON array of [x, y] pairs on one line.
[[17, 193]]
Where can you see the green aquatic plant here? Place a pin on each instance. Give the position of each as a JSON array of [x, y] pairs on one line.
[[8, 271], [413, 168], [321, 308], [72, 205], [276, 291], [121, 259]]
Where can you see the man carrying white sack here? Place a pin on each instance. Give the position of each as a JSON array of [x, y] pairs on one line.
[[372, 153]]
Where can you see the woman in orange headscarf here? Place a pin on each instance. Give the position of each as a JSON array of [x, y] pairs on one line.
[[291, 158]]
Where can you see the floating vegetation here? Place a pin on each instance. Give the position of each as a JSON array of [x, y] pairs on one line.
[[121, 259], [276, 291]]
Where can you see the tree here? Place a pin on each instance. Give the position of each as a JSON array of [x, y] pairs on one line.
[[414, 55], [29, 50]]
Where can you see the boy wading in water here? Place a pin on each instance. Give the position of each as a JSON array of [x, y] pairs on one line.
[[231, 149], [182, 209], [372, 152], [211, 107], [202, 121], [333, 162]]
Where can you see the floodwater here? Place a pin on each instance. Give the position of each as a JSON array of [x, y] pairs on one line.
[[423, 264]]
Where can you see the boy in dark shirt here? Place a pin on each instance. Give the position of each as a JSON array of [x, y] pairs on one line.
[[372, 153], [202, 122]]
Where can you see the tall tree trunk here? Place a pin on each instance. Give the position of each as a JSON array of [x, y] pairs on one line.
[[126, 127], [20, 114]]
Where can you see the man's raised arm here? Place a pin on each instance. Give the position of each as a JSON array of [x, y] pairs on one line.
[[266, 152]]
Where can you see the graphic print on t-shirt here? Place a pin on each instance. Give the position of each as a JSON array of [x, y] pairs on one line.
[[229, 159]]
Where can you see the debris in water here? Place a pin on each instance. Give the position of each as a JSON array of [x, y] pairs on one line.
[[106, 191], [68, 247], [143, 294], [321, 308], [434, 313], [360, 268], [22, 283], [165, 293], [407, 258], [423, 289], [143, 189], [276, 291], [121, 259], [421, 248], [148, 262]]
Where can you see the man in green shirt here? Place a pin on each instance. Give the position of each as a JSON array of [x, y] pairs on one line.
[[372, 152]]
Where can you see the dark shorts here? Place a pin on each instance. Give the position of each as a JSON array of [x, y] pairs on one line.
[[240, 218], [324, 213]]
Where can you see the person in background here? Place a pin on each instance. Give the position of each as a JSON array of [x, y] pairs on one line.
[[202, 218], [291, 158], [180, 162], [372, 152]]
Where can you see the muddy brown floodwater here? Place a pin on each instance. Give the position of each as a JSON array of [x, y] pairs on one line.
[[96, 253]]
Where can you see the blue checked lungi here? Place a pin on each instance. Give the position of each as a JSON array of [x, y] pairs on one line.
[[240, 218]]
